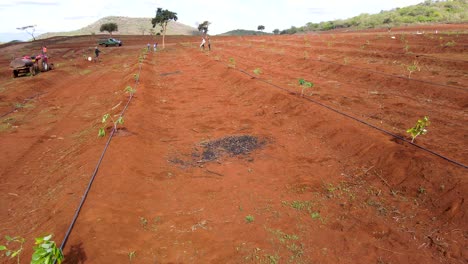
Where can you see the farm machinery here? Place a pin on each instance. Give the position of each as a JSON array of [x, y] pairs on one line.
[[31, 64]]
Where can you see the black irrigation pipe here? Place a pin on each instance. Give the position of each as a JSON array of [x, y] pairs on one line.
[[391, 75], [358, 120], [83, 198], [24, 101]]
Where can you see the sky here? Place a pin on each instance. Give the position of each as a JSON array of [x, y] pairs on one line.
[[225, 15]]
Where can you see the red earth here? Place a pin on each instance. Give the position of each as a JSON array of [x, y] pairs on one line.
[[333, 182]]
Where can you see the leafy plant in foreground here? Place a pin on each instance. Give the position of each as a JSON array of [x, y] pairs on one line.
[[257, 71], [419, 128], [46, 251], [305, 85], [105, 120], [11, 253]]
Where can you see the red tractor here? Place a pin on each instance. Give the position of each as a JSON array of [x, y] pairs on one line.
[[31, 64]]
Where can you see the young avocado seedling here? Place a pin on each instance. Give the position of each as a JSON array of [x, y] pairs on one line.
[[419, 128]]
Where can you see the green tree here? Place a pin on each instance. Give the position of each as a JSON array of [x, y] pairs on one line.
[[276, 31], [203, 27], [109, 27], [261, 27], [162, 18]]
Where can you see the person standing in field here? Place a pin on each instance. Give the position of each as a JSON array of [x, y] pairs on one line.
[[155, 47], [148, 47], [202, 45], [209, 43], [44, 50], [96, 52]]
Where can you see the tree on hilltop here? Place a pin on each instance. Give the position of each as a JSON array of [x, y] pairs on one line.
[[162, 18], [203, 27], [109, 27], [276, 31], [26, 28], [261, 27]]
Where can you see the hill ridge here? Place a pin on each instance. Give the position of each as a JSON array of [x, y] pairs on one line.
[[126, 26]]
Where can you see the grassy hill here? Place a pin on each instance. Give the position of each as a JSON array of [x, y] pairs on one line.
[[243, 32], [127, 26], [431, 11]]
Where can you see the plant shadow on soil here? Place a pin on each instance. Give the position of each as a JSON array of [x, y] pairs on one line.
[[231, 146]]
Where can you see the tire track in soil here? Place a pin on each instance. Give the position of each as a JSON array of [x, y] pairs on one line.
[[172, 212]]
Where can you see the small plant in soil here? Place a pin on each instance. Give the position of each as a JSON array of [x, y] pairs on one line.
[[143, 222], [315, 215], [105, 121], [10, 252], [419, 128], [136, 77], [421, 190], [450, 43], [407, 47], [305, 85], [249, 219], [46, 251], [232, 63], [412, 68], [345, 61], [131, 256], [130, 90], [257, 71]]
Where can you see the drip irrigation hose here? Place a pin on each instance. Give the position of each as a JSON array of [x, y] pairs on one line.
[[358, 120], [83, 198], [24, 101], [391, 75]]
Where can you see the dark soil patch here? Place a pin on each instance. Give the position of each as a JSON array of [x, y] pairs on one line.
[[231, 145]]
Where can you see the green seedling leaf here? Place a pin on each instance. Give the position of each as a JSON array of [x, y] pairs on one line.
[[419, 128], [315, 215], [2, 247], [257, 71], [249, 218], [101, 132], [120, 121], [46, 251], [129, 90], [46, 246], [105, 117], [305, 85]]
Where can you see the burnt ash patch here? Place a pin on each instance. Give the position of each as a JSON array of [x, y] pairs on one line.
[[231, 145]]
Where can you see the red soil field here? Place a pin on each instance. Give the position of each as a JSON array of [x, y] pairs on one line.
[[334, 180]]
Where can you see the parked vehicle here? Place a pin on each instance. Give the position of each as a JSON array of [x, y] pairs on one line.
[[31, 64], [109, 42]]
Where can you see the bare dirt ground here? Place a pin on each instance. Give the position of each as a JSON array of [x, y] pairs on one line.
[[218, 164]]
